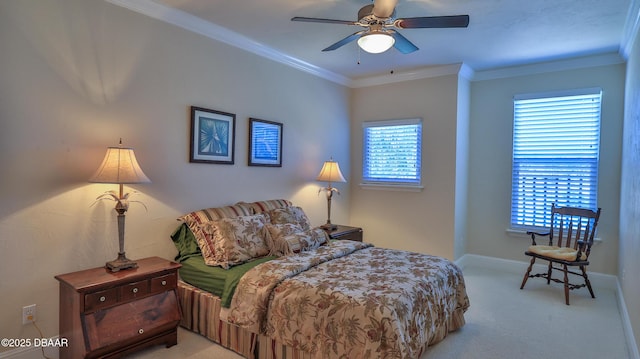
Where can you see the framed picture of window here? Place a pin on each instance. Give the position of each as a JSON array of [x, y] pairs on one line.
[[265, 143], [212, 136]]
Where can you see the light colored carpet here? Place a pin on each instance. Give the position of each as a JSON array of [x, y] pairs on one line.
[[503, 322]]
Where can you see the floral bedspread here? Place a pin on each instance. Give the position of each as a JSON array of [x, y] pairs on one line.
[[352, 300]]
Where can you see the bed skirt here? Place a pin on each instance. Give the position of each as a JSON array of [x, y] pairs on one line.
[[201, 314]]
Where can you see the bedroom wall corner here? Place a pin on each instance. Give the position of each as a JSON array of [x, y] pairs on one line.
[[417, 221], [491, 128], [462, 165]]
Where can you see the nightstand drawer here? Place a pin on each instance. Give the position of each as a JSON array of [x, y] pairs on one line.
[[132, 322], [166, 282], [134, 290], [101, 299]]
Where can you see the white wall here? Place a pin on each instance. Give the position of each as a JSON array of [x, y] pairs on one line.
[[490, 160], [629, 266], [77, 75], [418, 221]]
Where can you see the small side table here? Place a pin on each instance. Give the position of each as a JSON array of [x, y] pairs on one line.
[[345, 233], [111, 314]]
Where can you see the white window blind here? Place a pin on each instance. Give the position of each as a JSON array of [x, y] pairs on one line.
[[392, 152], [556, 145]]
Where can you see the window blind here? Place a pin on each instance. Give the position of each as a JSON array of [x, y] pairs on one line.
[[392, 152], [556, 145]]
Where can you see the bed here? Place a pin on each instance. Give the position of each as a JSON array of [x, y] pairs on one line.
[[306, 296]]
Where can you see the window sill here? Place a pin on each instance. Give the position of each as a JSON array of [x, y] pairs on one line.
[[392, 187], [522, 233]]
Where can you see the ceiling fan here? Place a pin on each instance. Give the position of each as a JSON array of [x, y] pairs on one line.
[[379, 19]]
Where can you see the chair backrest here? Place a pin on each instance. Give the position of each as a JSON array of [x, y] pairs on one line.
[[571, 224]]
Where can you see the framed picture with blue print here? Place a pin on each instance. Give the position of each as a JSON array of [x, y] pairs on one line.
[[212, 136], [265, 143]]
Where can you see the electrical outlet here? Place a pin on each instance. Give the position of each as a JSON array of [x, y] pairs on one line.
[[28, 314]]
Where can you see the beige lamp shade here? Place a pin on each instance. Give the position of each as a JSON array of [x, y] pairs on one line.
[[119, 166], [330, 172]]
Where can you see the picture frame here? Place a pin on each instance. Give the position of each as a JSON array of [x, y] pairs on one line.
[[212, 136], [265, 143]]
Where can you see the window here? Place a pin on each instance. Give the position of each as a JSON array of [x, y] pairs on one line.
[[392, 152], [556, 143]]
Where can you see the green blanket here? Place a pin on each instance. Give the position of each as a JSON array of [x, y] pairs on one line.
[[216, 280]]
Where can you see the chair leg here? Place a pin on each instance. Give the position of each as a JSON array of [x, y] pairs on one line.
[[566, 285], [526, 275], [586, 281], [549, 271]]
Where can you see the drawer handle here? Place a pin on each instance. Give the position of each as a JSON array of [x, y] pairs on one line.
[[135, 290], [164, 282], [140, 331], [102, 299]]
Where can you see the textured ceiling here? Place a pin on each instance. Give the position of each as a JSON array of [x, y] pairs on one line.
[[501, 33]]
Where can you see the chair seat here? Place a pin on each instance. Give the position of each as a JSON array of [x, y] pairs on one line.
[[561, 253]]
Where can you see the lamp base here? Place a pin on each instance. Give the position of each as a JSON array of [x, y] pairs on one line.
[[122, 262]]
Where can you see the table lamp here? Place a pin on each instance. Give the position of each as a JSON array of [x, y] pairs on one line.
[[330, 172], [119, 167]]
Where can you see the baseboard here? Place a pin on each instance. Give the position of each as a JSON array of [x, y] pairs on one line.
[[519, 267], [597, 279], [626, 325], [31, 352]]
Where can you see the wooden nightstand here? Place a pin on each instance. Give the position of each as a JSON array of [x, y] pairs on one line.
[[110, 314], [345, 232]]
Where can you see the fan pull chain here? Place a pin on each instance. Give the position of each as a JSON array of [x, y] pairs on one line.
[[358, 54]]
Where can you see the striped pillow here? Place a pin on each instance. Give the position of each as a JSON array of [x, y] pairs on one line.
[[265, 206]]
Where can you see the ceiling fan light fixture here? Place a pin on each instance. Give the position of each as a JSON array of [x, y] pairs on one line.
[[376, 42]]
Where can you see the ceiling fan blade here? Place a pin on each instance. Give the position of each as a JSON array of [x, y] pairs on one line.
[[432, 22], [384, 8], [325, 21], [402, 44], [344, 41]]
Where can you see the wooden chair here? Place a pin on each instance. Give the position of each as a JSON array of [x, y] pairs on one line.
[[573, 230]]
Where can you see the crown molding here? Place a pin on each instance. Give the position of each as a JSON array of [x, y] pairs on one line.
[[422, 73], [219, 33], [550, 66], [466, 72]]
